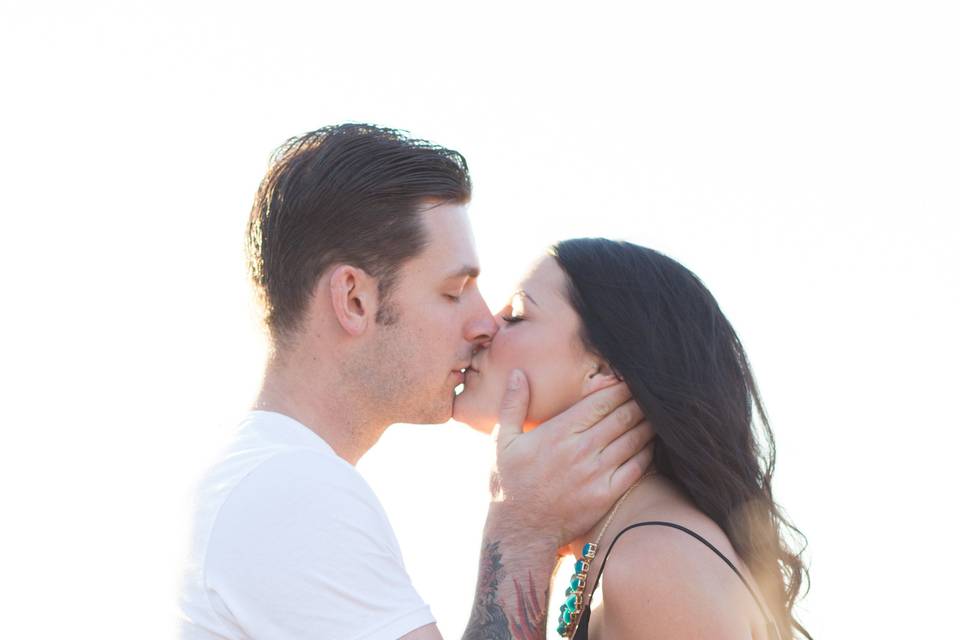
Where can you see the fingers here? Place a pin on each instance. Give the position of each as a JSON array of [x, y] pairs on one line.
[[590, 410], [625, 417], [513, 407], [631, 471], [626, 446]]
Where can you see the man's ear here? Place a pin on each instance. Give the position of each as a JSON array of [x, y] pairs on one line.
[[599, 375], [353, 296]]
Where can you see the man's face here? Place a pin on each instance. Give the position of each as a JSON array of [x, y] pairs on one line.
[[440, 320]]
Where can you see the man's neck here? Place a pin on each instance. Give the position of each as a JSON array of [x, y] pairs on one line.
[[323, 402]]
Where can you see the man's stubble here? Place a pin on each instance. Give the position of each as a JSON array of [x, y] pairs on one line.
[[396, 383]]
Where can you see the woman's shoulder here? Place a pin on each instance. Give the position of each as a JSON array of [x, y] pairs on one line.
[[659, 581]]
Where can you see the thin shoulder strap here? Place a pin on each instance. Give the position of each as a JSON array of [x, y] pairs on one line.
[[772, 630]]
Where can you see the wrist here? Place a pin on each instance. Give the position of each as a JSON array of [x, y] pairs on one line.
[[514, 529], [516, 563]]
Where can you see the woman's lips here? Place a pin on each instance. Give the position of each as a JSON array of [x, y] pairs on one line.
[[460, 378]]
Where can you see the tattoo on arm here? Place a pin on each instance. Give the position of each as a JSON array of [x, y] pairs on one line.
[[528, 624], [489, 620]]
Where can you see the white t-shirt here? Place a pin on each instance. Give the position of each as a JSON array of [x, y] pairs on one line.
[[289, 541]]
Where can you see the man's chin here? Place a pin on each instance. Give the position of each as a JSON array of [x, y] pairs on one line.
[[437, 412]]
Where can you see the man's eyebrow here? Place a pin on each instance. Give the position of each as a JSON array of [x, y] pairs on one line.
[[465, 271], [524, 294]]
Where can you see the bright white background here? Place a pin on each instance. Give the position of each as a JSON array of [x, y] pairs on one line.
[[802, 158]]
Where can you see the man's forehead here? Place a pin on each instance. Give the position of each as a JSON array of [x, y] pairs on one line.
[[450, 240]]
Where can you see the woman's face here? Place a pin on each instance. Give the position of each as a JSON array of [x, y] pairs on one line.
[[538, 334]]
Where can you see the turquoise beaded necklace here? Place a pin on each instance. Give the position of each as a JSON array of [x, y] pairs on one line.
[[573, 605]]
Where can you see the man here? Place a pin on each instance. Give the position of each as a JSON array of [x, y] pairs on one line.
[[361, 251]]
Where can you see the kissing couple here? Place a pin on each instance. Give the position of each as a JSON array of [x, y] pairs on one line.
[[629, 428]]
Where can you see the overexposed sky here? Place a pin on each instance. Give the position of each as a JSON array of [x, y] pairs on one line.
[[802, 159]]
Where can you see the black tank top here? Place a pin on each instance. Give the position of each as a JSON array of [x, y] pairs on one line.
[[581, 634]]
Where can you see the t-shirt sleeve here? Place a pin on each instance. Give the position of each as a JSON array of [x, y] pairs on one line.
[[302, 549]]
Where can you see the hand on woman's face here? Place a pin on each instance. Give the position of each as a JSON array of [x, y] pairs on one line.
[[539, 333]]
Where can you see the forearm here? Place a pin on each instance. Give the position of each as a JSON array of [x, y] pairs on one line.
[[513, 583]]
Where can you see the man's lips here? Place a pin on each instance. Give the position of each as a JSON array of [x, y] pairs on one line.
[[461, 374], [467, 369]]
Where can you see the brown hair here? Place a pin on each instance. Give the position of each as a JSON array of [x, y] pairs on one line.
[[348, 193]]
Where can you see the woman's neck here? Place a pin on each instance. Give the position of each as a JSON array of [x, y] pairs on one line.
[[650, 490]]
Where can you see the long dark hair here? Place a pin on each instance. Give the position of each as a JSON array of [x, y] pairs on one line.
[[664, 333]]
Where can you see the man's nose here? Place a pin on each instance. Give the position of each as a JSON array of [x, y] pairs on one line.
[[482, 327]]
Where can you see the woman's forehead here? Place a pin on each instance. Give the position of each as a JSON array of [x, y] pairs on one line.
[[545, 276], [544, 286]]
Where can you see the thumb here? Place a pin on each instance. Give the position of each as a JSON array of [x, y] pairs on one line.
[[513, 407]]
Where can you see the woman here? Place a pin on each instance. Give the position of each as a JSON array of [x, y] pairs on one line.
[[697, 548]]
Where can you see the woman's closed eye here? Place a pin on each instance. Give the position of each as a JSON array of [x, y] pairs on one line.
[[514, 312]]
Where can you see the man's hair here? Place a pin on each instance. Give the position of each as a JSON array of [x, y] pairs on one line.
[[343, 194]]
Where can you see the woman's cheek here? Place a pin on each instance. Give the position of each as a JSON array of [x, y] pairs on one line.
[[557, 384], [544, 400], [510, 355]]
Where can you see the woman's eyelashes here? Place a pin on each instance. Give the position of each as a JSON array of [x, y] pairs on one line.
[[514, 312]]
